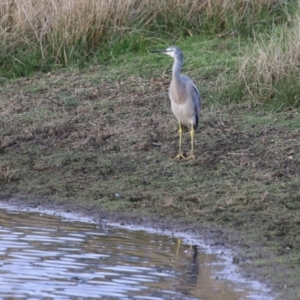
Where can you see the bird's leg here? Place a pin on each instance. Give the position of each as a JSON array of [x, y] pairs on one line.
[[192, 133], [180, 153], [178, 246]]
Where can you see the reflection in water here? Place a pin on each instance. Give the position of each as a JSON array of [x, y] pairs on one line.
[[44, 256]]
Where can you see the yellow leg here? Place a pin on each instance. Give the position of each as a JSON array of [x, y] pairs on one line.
[[178, 246], [192, 133], [180, 153]]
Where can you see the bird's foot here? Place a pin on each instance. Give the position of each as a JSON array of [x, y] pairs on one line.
[[192, 156], [179, 156]]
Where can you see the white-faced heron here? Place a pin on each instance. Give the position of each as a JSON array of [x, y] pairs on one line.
[[185, 99]]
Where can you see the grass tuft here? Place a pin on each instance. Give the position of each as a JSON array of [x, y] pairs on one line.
[[269, 72]]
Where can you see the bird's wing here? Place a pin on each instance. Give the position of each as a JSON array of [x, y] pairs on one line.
[[192, 90], [196, 98]]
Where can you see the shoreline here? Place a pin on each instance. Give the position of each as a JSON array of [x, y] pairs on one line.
[[204, 238]]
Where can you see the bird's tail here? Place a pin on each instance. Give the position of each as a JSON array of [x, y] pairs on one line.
[[196, 123]]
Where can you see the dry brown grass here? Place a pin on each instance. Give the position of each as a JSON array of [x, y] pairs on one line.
[[58, 28], [270, 71]]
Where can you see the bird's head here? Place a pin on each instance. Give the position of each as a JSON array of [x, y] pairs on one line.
[[172, 51]]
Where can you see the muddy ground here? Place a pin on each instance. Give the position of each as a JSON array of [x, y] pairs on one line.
[[105, 147]]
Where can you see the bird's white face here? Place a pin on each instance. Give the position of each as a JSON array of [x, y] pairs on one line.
[[170, 51]]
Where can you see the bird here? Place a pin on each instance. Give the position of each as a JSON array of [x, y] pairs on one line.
[[185, 99]]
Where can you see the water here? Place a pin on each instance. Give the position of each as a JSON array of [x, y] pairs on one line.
[[49, 257]]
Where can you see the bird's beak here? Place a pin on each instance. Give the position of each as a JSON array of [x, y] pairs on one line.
[[158, 51]]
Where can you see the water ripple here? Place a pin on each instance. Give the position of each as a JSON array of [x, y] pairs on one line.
[[48, 257]]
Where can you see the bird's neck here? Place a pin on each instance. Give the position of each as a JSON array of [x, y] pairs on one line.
[[176, 69]]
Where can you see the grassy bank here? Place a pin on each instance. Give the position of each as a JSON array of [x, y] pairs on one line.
[[47, 34], [103, 138]]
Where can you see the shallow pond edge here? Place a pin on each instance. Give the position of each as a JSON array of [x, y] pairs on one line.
[[209, 240]]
